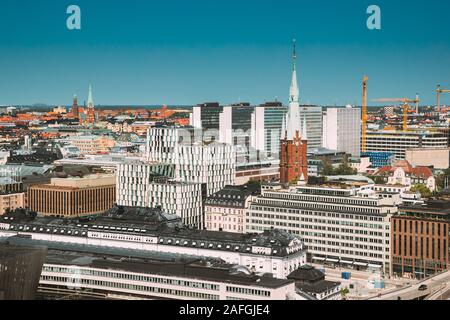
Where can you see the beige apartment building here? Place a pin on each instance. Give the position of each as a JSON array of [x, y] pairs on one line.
[[11, 201], [74, 197], [225, 210]]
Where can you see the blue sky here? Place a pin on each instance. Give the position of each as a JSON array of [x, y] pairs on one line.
[[192, 51]]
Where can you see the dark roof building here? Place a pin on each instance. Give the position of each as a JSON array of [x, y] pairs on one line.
[[311, 282], [20, 269], [230, 196]]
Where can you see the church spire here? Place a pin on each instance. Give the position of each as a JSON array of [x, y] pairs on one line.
[[294, 92], [90, 99], [293, 121]]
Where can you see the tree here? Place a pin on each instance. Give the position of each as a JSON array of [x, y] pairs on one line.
[[344, 292], [343, 170], [440, 179], [423, 190]]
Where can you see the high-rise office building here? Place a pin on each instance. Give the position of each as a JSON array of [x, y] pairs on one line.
[[235, 130], [342, 130], [206, 116], [266, 129], [313, 116]]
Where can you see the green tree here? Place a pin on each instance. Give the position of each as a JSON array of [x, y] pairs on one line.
[[344, 292], [423, 190]]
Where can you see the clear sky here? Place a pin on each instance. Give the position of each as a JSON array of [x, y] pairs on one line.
[[191, 51]]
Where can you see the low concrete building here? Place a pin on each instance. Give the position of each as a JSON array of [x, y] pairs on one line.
[[439, 158], [74, 196]]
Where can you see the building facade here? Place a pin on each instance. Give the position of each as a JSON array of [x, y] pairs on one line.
[[420, 239], [225, 210], [74, 197], [404, 174], [438, 158], [144, 185], [266, 129], [206, 116], [91, 144], [342, 130], [20, 268], [235, 130], [340, 224], [273, 251], [313, 116], [11, 201], [397, 142], [194, 161]]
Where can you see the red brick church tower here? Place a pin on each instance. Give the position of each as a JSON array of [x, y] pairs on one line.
[[294, 145]]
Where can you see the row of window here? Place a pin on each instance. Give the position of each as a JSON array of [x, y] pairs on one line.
[[131, 287], [247, 291], [132, 277]]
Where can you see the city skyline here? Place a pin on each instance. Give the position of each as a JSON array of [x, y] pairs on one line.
[[204, 56]]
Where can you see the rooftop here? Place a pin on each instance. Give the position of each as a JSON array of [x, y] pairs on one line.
[[156, 263]]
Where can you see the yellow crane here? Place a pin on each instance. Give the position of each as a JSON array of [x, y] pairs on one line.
[[364, 115], [405, 102], [439, 91]]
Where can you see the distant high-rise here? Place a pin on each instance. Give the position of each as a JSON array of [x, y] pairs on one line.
[[206, 116], [342, 130], [313, 115], [235, 129], [294, 145], [267, 126]]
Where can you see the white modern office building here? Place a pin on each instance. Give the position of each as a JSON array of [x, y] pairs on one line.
[[313, 117], [195, 161], [342, 130], [142, 184], [346, 224], [267, 124]]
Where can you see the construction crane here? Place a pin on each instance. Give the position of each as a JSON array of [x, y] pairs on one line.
[[364, 115], [405, 102], [439, 91]]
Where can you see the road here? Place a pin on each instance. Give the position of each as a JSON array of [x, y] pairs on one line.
[[442, 294], [434, 284]]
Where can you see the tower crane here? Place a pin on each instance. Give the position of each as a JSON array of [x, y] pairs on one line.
[[405, 102], [364, 115], [439, 91]]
